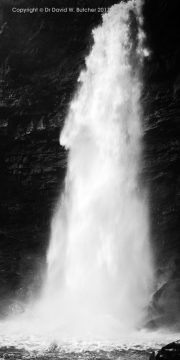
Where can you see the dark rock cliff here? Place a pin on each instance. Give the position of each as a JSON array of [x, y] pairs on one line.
[[162, 154], [40, 58]]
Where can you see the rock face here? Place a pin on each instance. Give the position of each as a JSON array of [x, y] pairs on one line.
[[162, 155], [40, 58], [168, 352]]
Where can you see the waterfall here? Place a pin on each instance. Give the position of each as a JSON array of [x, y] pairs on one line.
[[100, 270]]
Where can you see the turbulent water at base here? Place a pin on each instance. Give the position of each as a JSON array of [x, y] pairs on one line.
[[99, 259]]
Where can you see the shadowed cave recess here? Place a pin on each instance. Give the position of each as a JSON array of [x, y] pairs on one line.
[[40, 60]]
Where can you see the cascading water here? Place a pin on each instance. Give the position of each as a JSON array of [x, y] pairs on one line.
[[100, 272], [99, 259]]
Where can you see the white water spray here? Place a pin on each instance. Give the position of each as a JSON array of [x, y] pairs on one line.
[[99, 261]]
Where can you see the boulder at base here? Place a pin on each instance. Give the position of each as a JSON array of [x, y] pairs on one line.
[[168, 352]]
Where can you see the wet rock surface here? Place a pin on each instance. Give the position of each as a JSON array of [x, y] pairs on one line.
[[168, 352], [40, 60]]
